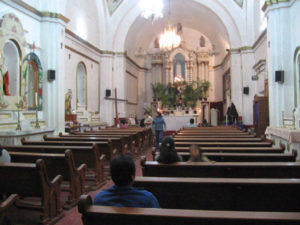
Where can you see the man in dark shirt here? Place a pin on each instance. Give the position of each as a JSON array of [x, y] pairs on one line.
[[122, 194]]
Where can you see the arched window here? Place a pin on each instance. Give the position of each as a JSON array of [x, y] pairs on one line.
[[81, 86], [11, 75]]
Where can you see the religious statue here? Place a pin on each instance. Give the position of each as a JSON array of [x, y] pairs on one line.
[[2, 73], [156, 43], [68, 100], [178, 77]]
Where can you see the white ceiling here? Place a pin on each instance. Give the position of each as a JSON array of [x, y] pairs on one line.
[[190, 14]]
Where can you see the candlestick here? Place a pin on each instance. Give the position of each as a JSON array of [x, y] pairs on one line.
[[18, 108], [36, 99]]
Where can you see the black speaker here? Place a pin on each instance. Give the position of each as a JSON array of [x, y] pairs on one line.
[[246, 90], [51, 75], [107, 92], [279, 76]]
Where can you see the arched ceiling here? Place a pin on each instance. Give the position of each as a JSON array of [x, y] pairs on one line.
[[190, 14]]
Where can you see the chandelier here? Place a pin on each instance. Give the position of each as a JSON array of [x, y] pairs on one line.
[[169, 39], [151, 9]]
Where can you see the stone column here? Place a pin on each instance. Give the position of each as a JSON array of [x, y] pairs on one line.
[[168, 72], [53, 58]]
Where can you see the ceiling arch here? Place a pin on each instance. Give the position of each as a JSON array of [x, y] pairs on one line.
[[208, 17]]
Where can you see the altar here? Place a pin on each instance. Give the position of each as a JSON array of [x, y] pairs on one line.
[[287, 136], [177, 122]]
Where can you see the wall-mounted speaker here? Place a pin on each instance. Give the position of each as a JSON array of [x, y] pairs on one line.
[[107, 93], [279, 76], [51, 75], [246, 90]]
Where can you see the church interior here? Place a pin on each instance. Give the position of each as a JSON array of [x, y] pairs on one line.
[[78, 80]]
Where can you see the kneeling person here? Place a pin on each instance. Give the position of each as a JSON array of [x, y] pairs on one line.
[[122, 194]]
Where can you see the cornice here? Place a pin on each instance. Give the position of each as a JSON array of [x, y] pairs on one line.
[[88, 44], [272, 2], [135, 64], [223, 61], [42, 14]]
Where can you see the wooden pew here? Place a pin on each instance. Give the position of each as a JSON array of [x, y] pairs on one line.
[[238, 194], [216, 139], [82, 155], [8, 210], [222, 169], [245, 157], [132, 142], [214, 135], [104, 215], [234, 149], [117, 143], [224, 144], [103, 147], [31, 181], [63, 164]]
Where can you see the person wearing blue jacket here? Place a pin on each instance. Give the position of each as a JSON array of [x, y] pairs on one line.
[[158, 125]]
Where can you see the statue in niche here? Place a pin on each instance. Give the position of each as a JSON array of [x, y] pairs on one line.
[[68, 100], [179, 28], [178, 77], [4, 77], [2, 73], [202, 41]]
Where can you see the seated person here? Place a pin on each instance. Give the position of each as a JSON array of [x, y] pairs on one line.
[[204, 123], [4, 156], [191, 124], [196, 155], [122, 194], [123, 124], [167, 153]]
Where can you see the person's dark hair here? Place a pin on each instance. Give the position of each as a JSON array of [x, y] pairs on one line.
[[122, 170], [192, 121], [123, 121], [158, 114], [146, 113], [167, 151]]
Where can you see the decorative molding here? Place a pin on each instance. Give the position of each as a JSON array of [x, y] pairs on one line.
[[135, 64], [259, 64], [131, 74], [131, 103], [107, 52], [272, 2], [118, 99], [43, 14], [259, 39], [81, 54], [226, 58]]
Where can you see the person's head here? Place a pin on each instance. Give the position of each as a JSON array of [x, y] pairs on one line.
[[123, 122], [192, 121], [146, 114], [167, 151], [122, 170], [194, 152], [158, 114]]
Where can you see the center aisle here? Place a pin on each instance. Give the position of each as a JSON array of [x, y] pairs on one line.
[[73, 217]]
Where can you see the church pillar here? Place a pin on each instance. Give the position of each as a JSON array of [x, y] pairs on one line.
[[53, 58], [119, 82], [107, 106], [168, 73], [283, 39], [203, 71], [154, 74], [237, 82], [160, 72]]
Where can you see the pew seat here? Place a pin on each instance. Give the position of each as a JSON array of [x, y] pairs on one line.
[[104, 215], [222, 169], [236, 149], [237, 194], [36, 191], [63, 164], [8, 210]]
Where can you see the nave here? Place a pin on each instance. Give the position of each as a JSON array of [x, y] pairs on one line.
[[257, 183]]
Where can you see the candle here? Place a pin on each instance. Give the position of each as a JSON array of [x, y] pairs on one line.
[[36, 98]]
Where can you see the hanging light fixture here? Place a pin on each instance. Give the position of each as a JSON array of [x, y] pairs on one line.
[[169, 39], [151, 9]]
